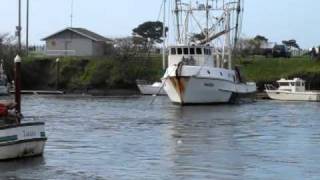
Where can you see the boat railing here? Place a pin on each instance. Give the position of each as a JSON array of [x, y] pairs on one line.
[[269, 87]]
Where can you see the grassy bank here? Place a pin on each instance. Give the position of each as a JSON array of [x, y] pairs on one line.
[[267, 70], [81, 74], [122, 71]]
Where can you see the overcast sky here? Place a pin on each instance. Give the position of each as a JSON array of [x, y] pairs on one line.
[[275, 19]]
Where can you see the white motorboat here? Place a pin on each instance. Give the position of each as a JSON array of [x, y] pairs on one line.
[[291, 90], [17, 139], [151, 89], [200, 71]]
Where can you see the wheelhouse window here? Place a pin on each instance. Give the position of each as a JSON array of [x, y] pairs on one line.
[[298, 83], [199, 51], [179, 51], [173, 51], [209, 52], [186, 51], [205, 51], [284, 84], [192, 52]]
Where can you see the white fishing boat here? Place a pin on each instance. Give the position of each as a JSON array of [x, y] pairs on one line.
[[151, 89], [17, 139], [21, 140], [200, 69], [291, 90], [4, 87]]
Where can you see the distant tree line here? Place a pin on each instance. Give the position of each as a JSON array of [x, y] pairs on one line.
[[260, 45]]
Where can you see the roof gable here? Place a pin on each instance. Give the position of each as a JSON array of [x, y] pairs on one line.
[[82, 32]]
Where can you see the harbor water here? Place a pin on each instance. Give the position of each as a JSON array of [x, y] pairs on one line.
[[127, 138]]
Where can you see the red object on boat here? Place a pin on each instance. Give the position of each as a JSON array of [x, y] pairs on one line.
[[3, 110]]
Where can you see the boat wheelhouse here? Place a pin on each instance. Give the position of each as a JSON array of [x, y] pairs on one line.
[[192, 55]]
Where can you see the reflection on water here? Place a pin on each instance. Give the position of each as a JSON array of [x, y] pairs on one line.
[[127, 138]]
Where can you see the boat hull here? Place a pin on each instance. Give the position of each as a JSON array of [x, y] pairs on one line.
[[23, 140], [199, 85], [191, 90], [297, 96]]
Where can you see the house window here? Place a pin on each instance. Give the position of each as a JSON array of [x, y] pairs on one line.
[[53, 43]]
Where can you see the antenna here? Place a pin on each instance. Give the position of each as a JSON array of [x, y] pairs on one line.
[[71, 15]]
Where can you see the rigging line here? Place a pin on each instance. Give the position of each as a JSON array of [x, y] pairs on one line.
[[162, 86], [160, 11]]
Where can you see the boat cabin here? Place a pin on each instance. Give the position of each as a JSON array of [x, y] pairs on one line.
[[295, 85], [191, 55]]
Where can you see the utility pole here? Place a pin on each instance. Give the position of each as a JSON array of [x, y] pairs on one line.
[[18, 28], [164, 37], [27, 29]]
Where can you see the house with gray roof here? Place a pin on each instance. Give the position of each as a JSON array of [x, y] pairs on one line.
[[76, 42]]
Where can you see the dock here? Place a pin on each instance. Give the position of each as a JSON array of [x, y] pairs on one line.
[[262, 95], [40, 92]]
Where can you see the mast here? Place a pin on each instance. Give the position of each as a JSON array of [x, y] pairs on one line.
[[177, 19], [237, 25], [207, 20], [228, 40]]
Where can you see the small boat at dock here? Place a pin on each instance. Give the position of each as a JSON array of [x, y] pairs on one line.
[[151, 89], [291, 90], [17, 139]]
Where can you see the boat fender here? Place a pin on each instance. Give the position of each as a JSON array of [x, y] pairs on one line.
[[3, 110]]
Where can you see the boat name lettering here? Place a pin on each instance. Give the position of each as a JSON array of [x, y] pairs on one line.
[[29, 133], [209, 84]]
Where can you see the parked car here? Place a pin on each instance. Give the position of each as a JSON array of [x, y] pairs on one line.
[[281, 51]]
